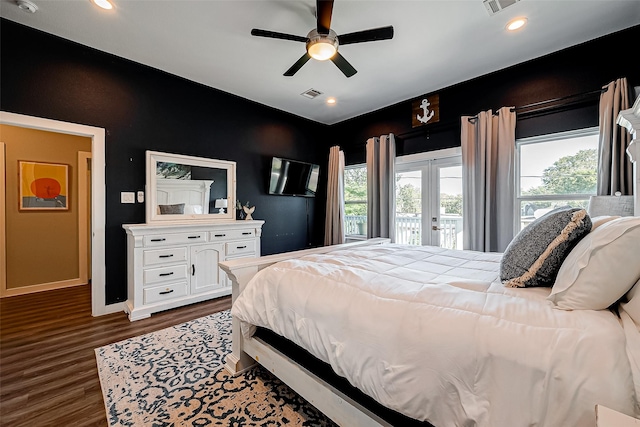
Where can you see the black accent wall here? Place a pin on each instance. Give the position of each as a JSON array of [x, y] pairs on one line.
[[145, 109]]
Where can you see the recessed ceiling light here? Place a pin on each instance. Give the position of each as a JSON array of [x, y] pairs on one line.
[[331, 101], [105, 4], [516, 24]]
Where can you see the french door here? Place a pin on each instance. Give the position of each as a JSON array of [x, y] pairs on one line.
[[429, 199]]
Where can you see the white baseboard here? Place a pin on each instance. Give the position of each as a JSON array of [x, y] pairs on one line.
[[24, 290]]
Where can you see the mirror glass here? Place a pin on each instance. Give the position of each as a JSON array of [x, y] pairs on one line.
[[189, 188]]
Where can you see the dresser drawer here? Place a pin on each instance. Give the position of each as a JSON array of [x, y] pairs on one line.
[[164, 274], [241, 247], [164, 256], [175, 239], [164, 293], [231, 234]]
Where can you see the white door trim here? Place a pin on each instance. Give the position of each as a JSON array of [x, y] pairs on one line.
[[98, 200], [83, 216], [3, 230]]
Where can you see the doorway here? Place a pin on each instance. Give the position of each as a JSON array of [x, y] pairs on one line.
[[98, 208], [429, 199]]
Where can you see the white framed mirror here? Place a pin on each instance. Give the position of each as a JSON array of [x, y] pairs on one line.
[[183, 188]]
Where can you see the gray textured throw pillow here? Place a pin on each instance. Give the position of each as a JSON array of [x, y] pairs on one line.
[[176, 209], [535, 255]]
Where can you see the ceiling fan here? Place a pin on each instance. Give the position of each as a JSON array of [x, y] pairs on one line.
[[322, 42]]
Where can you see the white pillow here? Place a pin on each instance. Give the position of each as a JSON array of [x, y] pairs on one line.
[[632, 304], [192, 209], [599, 220], [601, 268]]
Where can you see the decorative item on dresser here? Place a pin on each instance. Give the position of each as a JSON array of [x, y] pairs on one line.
[[171, 265]]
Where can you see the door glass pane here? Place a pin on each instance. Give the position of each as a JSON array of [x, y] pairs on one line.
[[409, 207], [450, 207]]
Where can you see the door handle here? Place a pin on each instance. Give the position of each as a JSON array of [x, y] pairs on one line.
[[435, 228], [193, 269]]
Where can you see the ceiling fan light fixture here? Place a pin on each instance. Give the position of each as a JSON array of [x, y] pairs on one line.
[[322, 46], [322, 51]]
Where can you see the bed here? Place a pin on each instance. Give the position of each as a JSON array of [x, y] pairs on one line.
[[192, 196], [434, 335]]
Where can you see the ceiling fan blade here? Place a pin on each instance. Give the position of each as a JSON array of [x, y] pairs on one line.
[[324, 8], [382, 33], [343, 65], [299, 63], [275, 35]]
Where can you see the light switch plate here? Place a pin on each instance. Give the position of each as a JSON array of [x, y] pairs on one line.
[[127, 197]]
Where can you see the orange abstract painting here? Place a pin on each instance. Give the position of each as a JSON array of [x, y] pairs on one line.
[[43, 186]]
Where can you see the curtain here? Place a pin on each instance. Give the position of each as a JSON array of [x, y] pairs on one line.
[[488, 179], [334, 219], [381, 195], [615, 171]]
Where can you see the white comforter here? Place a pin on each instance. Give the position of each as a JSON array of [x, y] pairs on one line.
[[433, 334]]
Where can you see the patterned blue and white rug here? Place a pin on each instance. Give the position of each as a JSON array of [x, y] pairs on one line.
[[175, 377]]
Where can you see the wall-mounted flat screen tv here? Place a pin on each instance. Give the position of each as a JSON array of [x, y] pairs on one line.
[[293, 178]]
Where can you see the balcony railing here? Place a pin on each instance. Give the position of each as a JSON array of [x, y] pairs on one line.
[[409, 229]]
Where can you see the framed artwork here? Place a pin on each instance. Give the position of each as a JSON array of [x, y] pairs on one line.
[[43, 186]]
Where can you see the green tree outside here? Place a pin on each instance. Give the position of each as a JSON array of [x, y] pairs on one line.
[[575, 174], [355, 190]]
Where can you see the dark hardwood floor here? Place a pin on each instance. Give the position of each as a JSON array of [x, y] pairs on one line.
[[48, 373]]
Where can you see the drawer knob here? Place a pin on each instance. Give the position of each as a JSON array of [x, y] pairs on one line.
[[158, 240], [166, 274], [220, 235], [246, 233], [168, 291], [241, 247], [193, 237], [166, 256]]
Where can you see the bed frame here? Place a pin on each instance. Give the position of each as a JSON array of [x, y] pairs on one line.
[[330, 401]]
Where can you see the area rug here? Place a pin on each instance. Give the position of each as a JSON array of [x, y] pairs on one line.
[[175, 377]]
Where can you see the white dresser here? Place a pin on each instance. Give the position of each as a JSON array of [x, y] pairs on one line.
[[170, 265]]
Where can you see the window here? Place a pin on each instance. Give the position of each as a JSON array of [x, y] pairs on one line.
[[555, 170], [355, 200]]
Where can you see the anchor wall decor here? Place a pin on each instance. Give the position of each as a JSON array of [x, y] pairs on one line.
[[425, 110]]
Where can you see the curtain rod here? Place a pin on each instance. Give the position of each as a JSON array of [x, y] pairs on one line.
[[563, 98], [543, 104]]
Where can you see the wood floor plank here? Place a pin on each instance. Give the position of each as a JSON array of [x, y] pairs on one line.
[[48, 372]]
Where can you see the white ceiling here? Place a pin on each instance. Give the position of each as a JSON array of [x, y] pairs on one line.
[[436, 43]]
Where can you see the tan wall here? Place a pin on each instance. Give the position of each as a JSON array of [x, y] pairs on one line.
[[42, 246]]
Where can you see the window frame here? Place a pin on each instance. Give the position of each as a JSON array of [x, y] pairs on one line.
[[556, 136]]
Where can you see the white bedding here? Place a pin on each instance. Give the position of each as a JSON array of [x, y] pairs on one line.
[[433, 334]]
